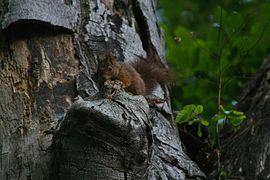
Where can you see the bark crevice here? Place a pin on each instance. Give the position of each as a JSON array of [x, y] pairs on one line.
[[246, 149]]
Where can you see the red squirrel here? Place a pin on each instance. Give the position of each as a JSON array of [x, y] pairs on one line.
[[138, 78]]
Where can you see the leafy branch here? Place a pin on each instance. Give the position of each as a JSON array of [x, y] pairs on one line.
[[193, 114]]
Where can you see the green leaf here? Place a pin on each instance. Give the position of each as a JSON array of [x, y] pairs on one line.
[[224, 110], [190, 107], [218, 117], [223, 173], [237, 113], [193, 121], [236, 120], [204, 122], [183, 116], [212, 134], [199, 109], [188, 114]]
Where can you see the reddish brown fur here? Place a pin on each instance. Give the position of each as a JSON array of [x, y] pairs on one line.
[[110, 69], [153, 73], [139, 78]]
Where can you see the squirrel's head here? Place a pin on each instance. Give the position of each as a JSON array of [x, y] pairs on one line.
[[108, 68]]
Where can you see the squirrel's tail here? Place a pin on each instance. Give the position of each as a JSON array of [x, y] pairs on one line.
[[153, 73]]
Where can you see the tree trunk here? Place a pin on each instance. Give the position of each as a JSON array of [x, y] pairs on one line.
[[48, 57], [247, 150]]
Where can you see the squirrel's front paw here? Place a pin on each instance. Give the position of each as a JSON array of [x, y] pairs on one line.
[[111, 87]]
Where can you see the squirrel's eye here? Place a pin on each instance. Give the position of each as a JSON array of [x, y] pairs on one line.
[[109, 68]]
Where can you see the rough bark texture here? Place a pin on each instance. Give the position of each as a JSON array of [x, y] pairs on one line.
[[37, 87], [109, 139], [247, 151], [47, 58]]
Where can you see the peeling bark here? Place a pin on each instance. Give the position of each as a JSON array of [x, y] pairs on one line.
[[37, 86], [57, 13], [47, 58]]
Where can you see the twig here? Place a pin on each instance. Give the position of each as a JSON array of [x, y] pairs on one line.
[[191, 135], [219, 87]]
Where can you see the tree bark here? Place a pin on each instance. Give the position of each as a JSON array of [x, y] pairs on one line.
[[48, 57], [246, 150]]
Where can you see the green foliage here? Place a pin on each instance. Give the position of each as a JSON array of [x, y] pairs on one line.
[[208, 41], [192, 114], [189, 113], [213, 48], [234, 118], [223, 172]]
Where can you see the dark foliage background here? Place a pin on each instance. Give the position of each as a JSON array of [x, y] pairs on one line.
[[208, 41]]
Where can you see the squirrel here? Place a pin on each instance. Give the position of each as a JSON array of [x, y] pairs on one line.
[[139, 78]]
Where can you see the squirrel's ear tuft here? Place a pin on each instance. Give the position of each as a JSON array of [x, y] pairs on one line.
[[110, 58], [98, 59], [110, 54]]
